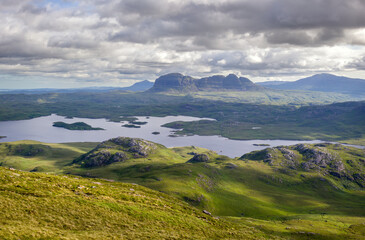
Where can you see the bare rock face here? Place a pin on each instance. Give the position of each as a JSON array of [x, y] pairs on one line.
[[174, 82], [116, 150], [316, 159], [102, 158], [291, 159]]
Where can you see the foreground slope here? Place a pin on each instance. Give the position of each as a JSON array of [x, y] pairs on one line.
[[271, 197], [41, 206]]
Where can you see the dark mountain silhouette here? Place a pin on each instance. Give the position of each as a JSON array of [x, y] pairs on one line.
[[180, 83]]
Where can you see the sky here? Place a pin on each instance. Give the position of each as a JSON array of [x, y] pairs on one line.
[[80, 43]]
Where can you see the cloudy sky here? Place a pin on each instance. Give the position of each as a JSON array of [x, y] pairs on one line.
[[78, 43]]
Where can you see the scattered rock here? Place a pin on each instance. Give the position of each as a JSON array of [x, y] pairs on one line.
[[231, 166], [206, 212]]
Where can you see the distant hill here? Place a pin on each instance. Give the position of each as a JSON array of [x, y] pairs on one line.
[[270, 83], [137, 87], [177, 82], [323, 83]]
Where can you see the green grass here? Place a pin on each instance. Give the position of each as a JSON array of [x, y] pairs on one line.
[[274, 202], [41, 206], [51, 158]]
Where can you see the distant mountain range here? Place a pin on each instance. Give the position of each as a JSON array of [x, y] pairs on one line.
[[176, 82], [323, 83], [137, 87]]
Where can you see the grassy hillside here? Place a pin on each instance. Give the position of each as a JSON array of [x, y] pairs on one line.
[[255, 198], [41, 206], [221, 185], [41, 157], [272, 199]]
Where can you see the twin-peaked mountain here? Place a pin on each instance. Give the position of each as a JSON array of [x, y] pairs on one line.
[[176, 82]]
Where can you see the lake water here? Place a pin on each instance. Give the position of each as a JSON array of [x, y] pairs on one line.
[[41, 129]]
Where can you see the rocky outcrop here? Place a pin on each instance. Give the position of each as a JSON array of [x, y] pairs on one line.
[[342, 163], [27, 150], [265, 155], [316, 159], [290, 158], [116, 150], [177, 82], [199, 158]]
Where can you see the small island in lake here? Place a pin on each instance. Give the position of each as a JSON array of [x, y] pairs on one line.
[[155, 133], [261, 144], [75, 126], [2, 137], [138, 123], [131, 126]]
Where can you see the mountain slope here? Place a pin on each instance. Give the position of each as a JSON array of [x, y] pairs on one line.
[[139, 86], [177, 82], [324, 83], [41, 206], [221, 185], [251, 192], [270, 83]]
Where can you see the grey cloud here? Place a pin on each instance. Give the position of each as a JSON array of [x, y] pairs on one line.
[[328, 18], [72, 41], [300, 37], [358, 64], [33, 9], [110, 39]]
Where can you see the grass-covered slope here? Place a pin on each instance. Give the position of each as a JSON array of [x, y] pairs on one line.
[[343, 165], [42, 206], [271, 197], [41, 157], [233, 187]]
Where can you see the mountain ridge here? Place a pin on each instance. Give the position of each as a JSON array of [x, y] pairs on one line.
[[177, 82]]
